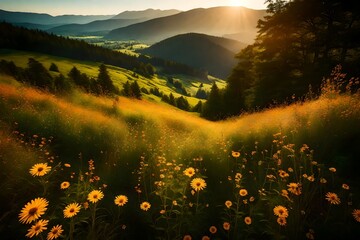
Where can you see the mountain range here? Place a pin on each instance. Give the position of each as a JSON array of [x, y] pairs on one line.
[[236, 22], [214, 54]]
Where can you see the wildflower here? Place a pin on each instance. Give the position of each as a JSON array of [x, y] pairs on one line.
[[247, 220], [189, 172], [205, 238], [120, 200], [226, 226], [55, 232], [333, 198], [213, 229], [283, 174], [281, 211], [345, 186], [187, 237], [251, 199], [311, 178], [86, 205], [332, 169], [285, 194], [175, 203], [95, 195], [162, 211], [67, 165], [294, 188], [323, 180], [228, 204], [235, 154], [238, 176], [40, 169], [356, 214], [64, 185], [290, 169], [243, 192], [33, 210], [71, 210], [198, 184], [281, 221], [37, 228], [145, 206]]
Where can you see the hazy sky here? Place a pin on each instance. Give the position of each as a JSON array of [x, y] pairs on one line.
[[100, 7]]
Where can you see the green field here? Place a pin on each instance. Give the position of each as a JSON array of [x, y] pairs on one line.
[[117, 74], [145, 151]]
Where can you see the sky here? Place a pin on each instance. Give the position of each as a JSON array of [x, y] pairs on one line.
[[107, 7]]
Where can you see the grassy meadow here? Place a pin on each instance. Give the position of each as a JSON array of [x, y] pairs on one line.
[[117, 74], [137, 169]]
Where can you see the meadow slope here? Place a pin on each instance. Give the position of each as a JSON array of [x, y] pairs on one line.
[[129, 140]]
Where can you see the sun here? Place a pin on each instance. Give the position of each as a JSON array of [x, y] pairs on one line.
[[235, 2]]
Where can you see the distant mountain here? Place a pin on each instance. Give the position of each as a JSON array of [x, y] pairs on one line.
[[216, 21], [46, 19], [214, 54], [36, 26], [148, 14], [96, 27]]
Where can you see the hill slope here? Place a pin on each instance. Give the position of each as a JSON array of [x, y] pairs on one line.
[[199, 50], [37, 18], [102, 26], [148, 14], [216, 21]]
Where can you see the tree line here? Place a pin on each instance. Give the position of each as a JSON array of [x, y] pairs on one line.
[[20, 38], [299, 42]]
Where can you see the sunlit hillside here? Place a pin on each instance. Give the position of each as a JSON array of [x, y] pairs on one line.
[[117, 74], [153, 148]]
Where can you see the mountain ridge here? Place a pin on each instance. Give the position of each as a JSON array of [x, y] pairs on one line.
[[216, 21]]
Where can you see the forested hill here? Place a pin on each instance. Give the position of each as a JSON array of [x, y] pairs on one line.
[[216, 55], [42, 18], [20, 38]]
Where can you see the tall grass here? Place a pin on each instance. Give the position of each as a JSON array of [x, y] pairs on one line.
[[136, 144]]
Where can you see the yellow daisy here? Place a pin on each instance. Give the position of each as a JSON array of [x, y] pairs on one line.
[[243, 192], [64, 185], [281, 221], [281, 211], [33, 210], [226, 226], [121, 200], [213, 229], [95, 195], [332, 169], [228, 204], [248, 220], [294, 188], [187, 237], [71, 210], [356, 214], [283, 174], [235, 154], [37, 228], [333, 198], [55, 232], [198, 184], [189, 172], [145, 206], [345, 186], [40, 169], [205, 238]]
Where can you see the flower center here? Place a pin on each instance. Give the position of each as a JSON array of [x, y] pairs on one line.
[[32, 211], [40, 169], [72, 210], [95, 196], [37, 228], [55, 231]]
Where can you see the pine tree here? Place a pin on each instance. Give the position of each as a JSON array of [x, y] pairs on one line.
[[213, 108], [135, 90], [104, 80]]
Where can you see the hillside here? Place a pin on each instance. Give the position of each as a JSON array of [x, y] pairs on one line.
[[208, 21], [147, 14], [37, 18], [96, 27], [216, 55], [114, 145]]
